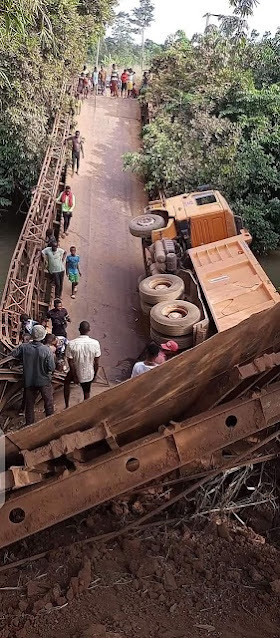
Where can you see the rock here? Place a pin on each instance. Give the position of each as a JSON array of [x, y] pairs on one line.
[[84, 574], [149, 567], [275, 586], [161, 598], [74, 585], [38, 605], [61, 600], [56, 592], [34, 589], [222, 530], [70, 594], [48, 606], [255, 575], [23, 604], [169, 582]]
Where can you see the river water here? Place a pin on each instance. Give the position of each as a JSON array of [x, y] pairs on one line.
[[271, 265], [10, 227]]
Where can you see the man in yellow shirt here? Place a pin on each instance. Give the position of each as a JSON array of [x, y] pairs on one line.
[[68, 201]]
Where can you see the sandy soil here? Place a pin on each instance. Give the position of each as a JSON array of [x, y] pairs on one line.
[[111, 260]]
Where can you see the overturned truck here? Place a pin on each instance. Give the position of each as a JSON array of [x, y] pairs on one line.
[[201, 276], [189, 415]]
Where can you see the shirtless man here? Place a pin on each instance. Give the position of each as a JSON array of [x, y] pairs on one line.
[[77, 149]]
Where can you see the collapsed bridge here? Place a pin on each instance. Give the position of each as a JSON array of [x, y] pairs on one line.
[[185, 415]]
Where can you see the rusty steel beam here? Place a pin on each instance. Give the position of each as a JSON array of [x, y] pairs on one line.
[[113, 473], [23, 291], [236, 381]]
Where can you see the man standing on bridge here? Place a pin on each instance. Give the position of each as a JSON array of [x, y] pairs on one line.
[[38, 364], [55, 262], [102, 75], [114, 81], [83, 355], [77, 149], [67, 201]]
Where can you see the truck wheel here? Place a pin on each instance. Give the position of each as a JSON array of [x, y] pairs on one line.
[[161, 288], [143, 225], [174, 318], [183, 342]]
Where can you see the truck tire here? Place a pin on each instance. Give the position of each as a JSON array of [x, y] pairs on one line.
[[174, 318], [143, 225], [161, 288], [184, 342]]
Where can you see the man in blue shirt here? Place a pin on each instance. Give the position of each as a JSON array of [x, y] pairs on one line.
[[73, 269]]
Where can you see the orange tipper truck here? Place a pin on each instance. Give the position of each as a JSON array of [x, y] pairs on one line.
[[201, 276]]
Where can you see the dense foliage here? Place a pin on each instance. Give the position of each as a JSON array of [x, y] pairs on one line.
[[42, 41], [215, 106]]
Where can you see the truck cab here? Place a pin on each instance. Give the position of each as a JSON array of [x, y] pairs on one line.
[[195, 237], [198, 218]]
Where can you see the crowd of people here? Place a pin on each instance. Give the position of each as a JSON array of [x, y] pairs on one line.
[[43, 350], [120, 84]]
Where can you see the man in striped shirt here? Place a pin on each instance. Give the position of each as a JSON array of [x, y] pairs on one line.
[[114, 81]]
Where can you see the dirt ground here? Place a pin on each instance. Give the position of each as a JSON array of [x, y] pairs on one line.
[[165, 582]]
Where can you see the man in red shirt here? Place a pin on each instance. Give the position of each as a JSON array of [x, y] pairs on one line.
[[124, 78]]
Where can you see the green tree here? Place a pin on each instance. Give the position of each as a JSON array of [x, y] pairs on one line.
[[142, 18], [215, 105], [41, 43]]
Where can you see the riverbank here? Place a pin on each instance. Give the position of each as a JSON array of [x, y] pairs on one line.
[[10, 227]]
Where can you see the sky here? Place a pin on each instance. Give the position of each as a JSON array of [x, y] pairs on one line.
[[171, 15]]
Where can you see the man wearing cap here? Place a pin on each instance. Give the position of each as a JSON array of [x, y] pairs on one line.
[[168, 349], [38, 364]]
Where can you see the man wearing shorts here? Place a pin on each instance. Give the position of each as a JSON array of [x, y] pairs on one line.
[[77, 149], [124, 78], [130, 81], [73, 269], [83, 355]]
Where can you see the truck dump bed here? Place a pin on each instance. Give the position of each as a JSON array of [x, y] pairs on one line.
[[234, 284]]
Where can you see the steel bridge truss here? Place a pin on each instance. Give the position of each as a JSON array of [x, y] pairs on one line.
[[26, 288]]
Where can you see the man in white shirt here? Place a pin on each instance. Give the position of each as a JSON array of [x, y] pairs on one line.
[[150, 362], [83, 355]]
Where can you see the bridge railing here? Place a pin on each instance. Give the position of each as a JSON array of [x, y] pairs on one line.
[[27, 288]]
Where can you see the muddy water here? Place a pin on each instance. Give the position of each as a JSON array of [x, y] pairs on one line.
[[10, 227], [271, 265]]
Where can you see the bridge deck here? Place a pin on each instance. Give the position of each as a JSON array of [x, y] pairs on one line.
[[111, 261]]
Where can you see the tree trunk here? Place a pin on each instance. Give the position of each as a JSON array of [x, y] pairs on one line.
[[142, 49]]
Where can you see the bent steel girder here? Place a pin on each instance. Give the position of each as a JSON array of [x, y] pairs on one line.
[[100, 474], [21, 293]]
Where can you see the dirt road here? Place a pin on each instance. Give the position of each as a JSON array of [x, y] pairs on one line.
[[107, 197]]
